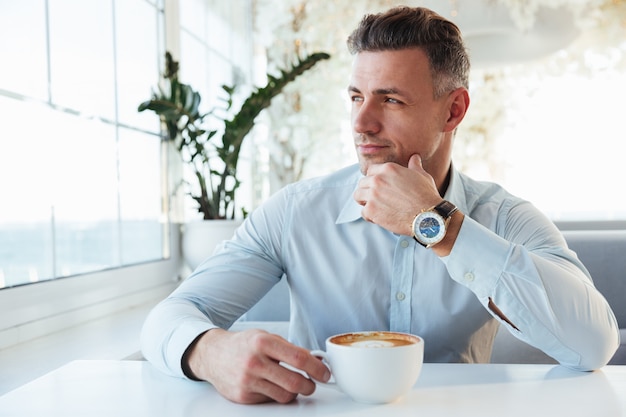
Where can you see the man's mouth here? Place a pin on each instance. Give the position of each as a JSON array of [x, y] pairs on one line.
[[369, 148]]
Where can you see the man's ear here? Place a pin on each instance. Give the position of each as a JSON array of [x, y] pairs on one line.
[[458, 103]]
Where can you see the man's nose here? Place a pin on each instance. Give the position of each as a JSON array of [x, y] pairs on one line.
[[366, 118]]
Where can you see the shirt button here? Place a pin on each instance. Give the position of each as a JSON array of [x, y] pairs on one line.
[[400, 296], [404, 244], [469, 276]]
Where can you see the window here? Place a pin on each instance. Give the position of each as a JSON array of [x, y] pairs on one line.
[[80, 168], [87, 187]]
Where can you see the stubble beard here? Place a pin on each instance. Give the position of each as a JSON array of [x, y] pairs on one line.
[[365, 161]]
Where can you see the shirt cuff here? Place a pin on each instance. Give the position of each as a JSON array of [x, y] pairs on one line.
[[181, 338], [478, 258]]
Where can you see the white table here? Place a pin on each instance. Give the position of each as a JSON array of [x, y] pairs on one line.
[[135, 388]]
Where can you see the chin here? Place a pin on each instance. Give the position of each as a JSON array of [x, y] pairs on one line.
[[365, 162]]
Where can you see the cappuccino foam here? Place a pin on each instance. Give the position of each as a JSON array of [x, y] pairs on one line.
[[374, 339], [372, 343]]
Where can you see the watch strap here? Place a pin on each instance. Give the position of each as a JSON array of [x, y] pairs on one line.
[[445, 208]]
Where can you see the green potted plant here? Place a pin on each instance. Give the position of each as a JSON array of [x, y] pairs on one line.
[[213, 160]]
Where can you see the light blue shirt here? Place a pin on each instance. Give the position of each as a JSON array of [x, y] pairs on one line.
[[346, 274]]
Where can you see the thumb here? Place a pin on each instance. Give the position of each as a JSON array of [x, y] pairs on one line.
[[415, 162]]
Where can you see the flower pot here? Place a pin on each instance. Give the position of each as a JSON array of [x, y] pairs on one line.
[[200, 238]]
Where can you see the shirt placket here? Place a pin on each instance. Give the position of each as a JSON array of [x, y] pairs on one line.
[[401, 285]]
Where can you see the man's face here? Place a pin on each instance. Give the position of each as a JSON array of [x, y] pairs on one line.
[[394, 112]]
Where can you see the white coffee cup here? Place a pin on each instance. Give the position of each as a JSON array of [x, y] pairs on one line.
[[374, 367]]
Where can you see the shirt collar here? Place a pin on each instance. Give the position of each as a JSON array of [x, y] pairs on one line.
[[456, 190], [351, 210]]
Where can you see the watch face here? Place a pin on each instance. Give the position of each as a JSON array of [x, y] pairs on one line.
[[429, 228]]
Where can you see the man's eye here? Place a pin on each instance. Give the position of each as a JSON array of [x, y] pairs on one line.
[[356, 98], [393, 100]]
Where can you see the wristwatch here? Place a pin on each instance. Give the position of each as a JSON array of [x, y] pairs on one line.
[[429, 226]]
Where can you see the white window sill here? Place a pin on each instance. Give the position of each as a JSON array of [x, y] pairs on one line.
[[115, 336]]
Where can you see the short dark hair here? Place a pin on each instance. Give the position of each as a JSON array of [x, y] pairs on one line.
[[417, 27]]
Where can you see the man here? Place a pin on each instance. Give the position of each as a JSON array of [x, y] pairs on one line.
[[402, 242]]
